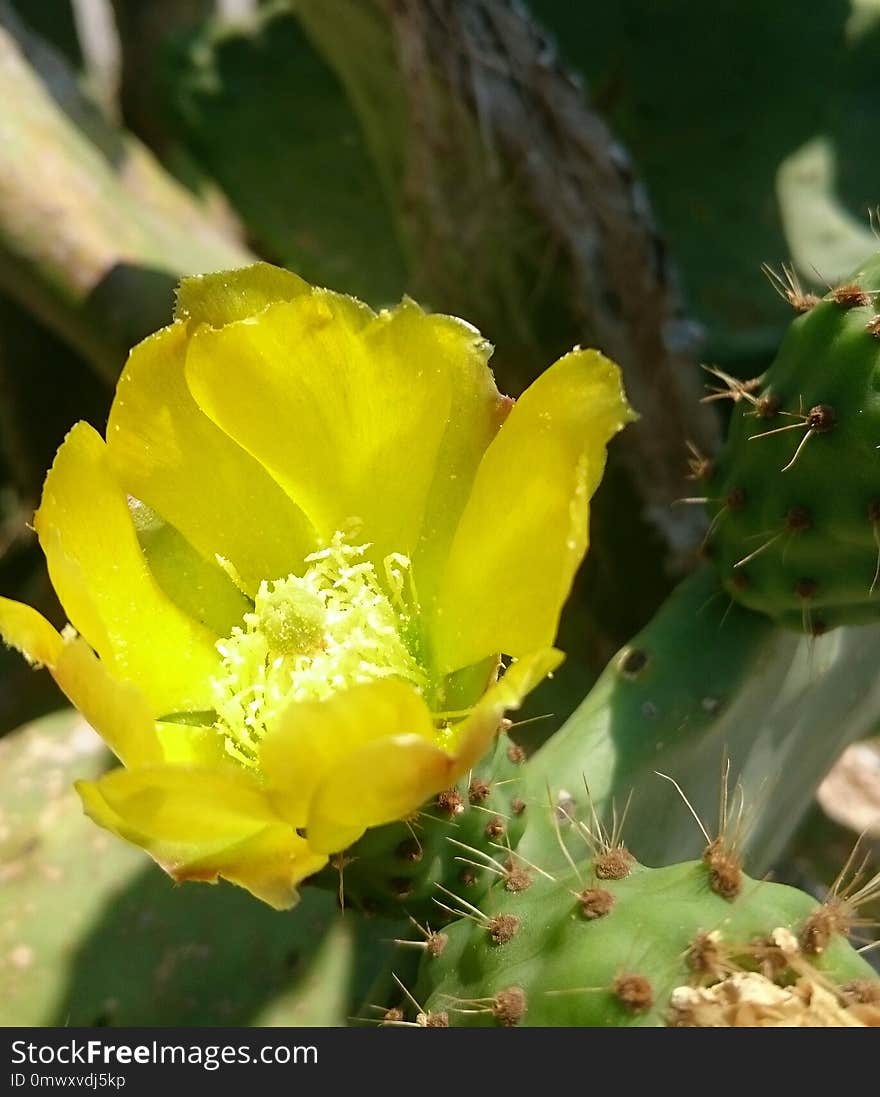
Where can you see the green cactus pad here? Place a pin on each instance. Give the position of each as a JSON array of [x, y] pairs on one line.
[[396, 868], [795, 493], [588, 949]]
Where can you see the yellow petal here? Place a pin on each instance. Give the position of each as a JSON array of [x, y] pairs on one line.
[[524, 530], [385, 780], [475, 416], [168, 454], [313, 738], [117, 710], [370, 755], [22, 628], [346, 409], [99, 573], [228, 295], [475, 734], [201, 824]]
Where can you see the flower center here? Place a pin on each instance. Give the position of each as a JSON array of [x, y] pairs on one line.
[[311, 635]]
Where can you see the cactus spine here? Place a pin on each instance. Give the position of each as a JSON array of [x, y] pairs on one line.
[[612, 943]]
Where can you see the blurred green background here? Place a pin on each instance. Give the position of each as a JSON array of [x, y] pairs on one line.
[[563, 172]]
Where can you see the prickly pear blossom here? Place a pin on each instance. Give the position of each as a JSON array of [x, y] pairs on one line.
[[292, 567]]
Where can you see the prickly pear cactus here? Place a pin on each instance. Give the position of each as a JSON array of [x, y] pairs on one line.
[[612, 943], [396, 868], [795, 494]]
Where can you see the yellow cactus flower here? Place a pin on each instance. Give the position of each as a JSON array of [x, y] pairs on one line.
[[293, 565]]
